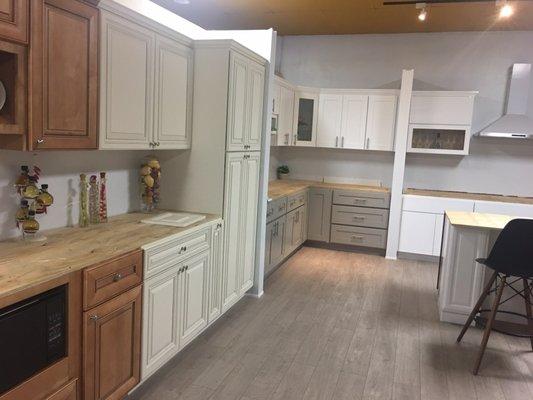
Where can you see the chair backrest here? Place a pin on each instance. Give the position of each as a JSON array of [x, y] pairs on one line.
[[512, 254]]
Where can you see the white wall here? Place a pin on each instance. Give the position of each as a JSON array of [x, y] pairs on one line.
[[61, 171], [451, 61]]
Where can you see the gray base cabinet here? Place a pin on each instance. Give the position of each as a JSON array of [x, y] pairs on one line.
[[319, 211]]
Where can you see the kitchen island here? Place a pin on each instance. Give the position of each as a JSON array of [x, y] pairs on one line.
[[467, 236]]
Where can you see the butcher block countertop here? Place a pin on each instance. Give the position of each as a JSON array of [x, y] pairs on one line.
[[287, 187], [26, 264], [470, 196], [478, 220]]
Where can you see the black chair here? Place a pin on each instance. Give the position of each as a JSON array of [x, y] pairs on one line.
[[511, 256]]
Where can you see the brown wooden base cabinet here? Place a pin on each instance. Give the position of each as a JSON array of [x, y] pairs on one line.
[[112, 347]]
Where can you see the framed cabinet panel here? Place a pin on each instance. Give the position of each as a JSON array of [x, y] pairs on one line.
[[381, 122], [112, 347], [14, 19], [305, 119], [63, 73], [417, 232], [329, 120], [353, 126], [237, 103], [126, 84], [173, 94], [319, 214], [215, 273], [256, 85], [286, 116]]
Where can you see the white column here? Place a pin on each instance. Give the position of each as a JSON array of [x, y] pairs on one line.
[[402, 126]]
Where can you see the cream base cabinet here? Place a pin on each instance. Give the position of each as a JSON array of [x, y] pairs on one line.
[[319, 214], [146, 84], [245, 108], [215, 273], [240, 211]]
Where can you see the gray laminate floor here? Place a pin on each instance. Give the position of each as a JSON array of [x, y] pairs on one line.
[[336, 325]]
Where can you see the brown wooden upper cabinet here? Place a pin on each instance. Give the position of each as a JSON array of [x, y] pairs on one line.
[[63, 73], [14, 16]]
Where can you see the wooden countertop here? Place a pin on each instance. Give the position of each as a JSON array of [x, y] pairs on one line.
[[25, 264], [470, 196], [287, 187], [478, 220]]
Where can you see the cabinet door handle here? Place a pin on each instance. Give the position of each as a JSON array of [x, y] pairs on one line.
[[336, 141], [287, 139], [117, 277], [342, 141], [367, 143], [40, 141], [182, 250], [295, 139], [358, 238]]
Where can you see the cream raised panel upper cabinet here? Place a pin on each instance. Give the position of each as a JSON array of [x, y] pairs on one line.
[[329, 120], [381, 122], [249, 228], [256, 90], [194, 292], [305, 119], [237, 102], [286, 116], [353, 126], [173, 94], [126, 84]]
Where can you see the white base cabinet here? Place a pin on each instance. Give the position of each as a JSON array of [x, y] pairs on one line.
[[182, 298]]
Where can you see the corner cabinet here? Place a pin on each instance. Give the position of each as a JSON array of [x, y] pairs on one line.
[[240, 211], [63, 75], [245, 108], [146, 87]]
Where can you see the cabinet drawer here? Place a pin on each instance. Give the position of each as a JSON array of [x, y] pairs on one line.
[[356, 236], [296, 200], [276, 208], [435, 205], [170, 252], [361, 198], [67, 392], [360, 216], [104, 281]]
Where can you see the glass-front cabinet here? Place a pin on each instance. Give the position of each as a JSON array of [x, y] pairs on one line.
[[305, 119], [439, 139]]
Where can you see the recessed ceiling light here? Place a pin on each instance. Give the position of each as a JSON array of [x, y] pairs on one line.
[[506, 10], [423, 11]]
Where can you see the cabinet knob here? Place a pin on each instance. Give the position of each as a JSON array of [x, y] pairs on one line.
[[219, 225], [94, 318], [40, 141], [117, 277], [158, 143]]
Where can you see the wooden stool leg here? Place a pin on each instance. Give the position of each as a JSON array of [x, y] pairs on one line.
[[477, 306], [488, 328], [527, 296]]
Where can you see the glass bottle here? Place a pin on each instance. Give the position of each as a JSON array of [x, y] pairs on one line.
[[22, 212], [84, 215], [94, 216], [30, 226], [44, 200], [31, 191], [103, 197], [24, 178]]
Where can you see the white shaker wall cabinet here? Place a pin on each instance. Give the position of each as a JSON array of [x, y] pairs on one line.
[[245, 107], [329, 126], [353, 127], [145, 85], [286, 116], [305, 118], [381, 122]]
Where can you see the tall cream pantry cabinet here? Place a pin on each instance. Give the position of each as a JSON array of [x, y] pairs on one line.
[[220, 173], [146, 82]]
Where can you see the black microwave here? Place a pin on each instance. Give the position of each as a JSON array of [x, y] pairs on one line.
[[32, 336]]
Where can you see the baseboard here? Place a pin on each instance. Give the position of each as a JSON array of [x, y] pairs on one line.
[[345, 247], [255, 295], [417, 257]]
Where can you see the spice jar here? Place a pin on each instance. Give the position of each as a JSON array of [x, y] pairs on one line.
[[31, 191], [30, 226], [22, 212]]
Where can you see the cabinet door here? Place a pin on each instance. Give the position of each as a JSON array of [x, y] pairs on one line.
[[329, 120], [297, 230], [306, 116], [173, 94], [251, 198], [237, 107], [160, 320], [276, 98], [277, 250], [126, 84], [286, 117], [215, 273], [194, 297], [63, 75], [233, 216], [112, 347], [354, 110], [381, 122], [288, 234], [437, 237], [256, 88], [14, 15], [417, 233], [270, 231], [319, 214]]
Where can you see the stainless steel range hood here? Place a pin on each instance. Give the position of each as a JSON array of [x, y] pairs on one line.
[[515, 124]]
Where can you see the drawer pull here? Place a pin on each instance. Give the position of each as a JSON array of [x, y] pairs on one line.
[[182, 250], [360, 201], [357, 238], [117, 277], [358, 218]]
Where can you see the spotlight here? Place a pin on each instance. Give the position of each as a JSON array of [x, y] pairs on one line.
[[506, 11], [423, 11]]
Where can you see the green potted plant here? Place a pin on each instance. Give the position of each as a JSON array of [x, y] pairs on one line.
[[283, 172]]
